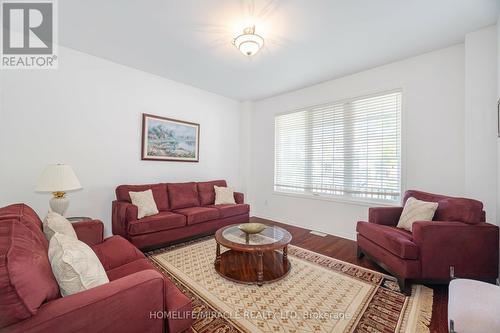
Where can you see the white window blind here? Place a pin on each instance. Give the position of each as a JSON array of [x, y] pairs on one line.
[[349, 149]]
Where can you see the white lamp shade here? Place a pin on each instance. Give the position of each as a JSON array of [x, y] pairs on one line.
[[58, 178]]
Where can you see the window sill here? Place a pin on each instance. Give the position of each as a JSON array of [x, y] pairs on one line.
[[331, 198]]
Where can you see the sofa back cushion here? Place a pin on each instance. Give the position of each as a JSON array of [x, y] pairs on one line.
[[26, 215], [26, 279], [451, 208], [206, 191], [159, 194], [183, 195]]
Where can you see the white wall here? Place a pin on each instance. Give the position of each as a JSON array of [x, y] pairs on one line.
[[245, 145], [432, 136], [496, 120], [88, 114], [481, 118]]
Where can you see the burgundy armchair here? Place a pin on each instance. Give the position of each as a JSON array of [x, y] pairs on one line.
[[457, 243], [137, 299]]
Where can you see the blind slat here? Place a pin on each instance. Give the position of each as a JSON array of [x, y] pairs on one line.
[[350, 148]]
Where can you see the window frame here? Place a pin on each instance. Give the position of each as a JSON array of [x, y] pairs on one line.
[[344, 198]]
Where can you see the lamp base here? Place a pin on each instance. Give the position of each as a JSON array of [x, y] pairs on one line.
[[59, 204]]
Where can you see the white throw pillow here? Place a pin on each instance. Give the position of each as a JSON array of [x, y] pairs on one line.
[[416, 210], [224, 195], [55, 223], [74, 264], [145, 202]]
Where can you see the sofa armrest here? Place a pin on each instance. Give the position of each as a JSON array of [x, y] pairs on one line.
[[128, 304], [239, 197], [385, 215], [122, 213], [472, 249], [180, 306], [89, 232]]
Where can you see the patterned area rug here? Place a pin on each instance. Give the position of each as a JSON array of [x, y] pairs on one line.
[[320, 294]]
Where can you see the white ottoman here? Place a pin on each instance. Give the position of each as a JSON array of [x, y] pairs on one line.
[[474, 306]]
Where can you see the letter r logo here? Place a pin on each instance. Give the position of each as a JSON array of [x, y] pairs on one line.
[[27, 27]]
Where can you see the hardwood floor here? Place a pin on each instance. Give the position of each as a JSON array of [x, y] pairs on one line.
[[345, 249]]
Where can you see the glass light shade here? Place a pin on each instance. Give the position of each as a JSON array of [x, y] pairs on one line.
[[249, 43], [58, 178]]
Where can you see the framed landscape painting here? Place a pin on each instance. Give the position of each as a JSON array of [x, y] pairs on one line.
[[165, 139]]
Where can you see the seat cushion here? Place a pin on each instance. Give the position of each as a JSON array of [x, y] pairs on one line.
[[206, 191], [397, 241], [199, 214], [158, 222], [231, 210], [182, 195], [116, 251], [130, 268], [26, 279], [159, 194]]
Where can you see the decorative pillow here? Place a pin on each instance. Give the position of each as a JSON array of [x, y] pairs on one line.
[[159, 193], [75, 265], [145, 202], [54, 223], [224, 195], [416, 210], [206, 191]]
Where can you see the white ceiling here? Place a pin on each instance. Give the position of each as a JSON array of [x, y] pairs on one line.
[[307, 41]]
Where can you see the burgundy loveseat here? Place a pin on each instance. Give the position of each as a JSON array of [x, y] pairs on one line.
[[458, 239], [135, 299], [185, 210]]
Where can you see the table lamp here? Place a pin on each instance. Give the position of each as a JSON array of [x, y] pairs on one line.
[[58, 179]]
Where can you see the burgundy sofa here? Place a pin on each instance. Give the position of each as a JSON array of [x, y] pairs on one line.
[[185, 210], [458, 239], [133, 301]]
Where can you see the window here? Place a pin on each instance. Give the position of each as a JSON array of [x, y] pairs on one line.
[[350, 149]]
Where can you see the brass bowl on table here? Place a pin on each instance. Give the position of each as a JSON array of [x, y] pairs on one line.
[[252, 228]]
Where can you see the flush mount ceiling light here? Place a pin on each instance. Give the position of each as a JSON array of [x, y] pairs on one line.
[[249, 43]]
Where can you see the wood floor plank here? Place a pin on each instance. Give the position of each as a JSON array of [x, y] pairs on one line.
[[345, 250]]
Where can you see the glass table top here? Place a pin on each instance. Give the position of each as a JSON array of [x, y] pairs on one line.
[[269, 235]]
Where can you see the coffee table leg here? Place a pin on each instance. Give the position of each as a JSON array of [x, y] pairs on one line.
[[285, 253], [217, 254], [260, 272]]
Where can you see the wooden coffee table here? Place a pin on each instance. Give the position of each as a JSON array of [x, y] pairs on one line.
[[252, 259]]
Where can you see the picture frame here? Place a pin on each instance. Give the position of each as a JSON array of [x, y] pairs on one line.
[[167, 139]]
